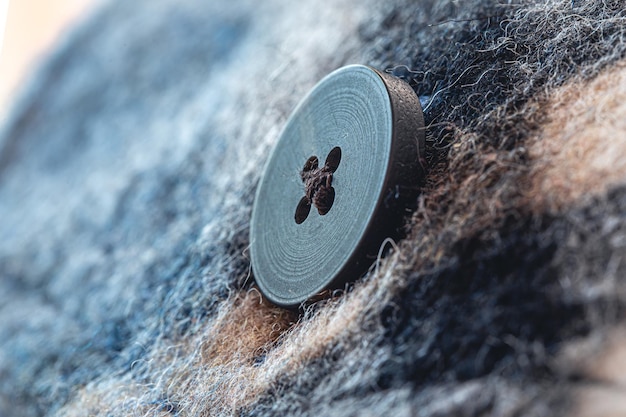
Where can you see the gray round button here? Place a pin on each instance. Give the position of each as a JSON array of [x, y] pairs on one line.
[[339, 181]]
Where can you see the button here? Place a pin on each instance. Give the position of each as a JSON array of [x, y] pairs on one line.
[[338, 183]]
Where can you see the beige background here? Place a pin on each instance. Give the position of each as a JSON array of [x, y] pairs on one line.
[[32, 27]]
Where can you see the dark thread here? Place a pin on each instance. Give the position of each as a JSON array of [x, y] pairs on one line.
[[318, 190]]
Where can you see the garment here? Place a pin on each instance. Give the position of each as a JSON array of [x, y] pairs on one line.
[[127, 175]]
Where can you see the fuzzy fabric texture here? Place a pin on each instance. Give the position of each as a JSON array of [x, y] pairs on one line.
[[127, 175]]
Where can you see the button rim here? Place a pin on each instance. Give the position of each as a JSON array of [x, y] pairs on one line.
[[386, 216]]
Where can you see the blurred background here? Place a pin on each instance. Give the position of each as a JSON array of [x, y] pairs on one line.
[[31, 27]]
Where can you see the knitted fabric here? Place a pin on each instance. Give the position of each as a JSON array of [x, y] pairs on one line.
[[127, 174]]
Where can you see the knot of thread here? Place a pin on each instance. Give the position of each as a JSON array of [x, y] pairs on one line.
[[317, 187]]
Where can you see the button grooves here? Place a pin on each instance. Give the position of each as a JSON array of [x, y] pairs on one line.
[[351, 109]]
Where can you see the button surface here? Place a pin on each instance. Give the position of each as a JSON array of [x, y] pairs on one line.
[[338, 182]]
